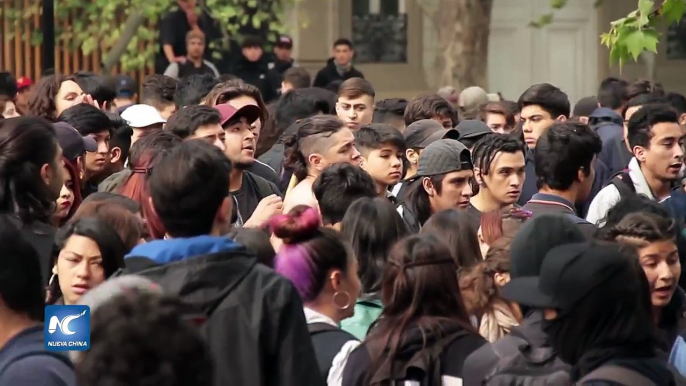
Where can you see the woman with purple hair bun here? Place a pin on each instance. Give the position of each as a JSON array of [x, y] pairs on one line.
[[323, 269]]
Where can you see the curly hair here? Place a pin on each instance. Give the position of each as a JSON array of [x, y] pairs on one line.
[[144, 339], [477, 284], [42, 99]]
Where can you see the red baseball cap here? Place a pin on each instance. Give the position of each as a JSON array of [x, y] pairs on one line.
[[24, 82], [250, 112]]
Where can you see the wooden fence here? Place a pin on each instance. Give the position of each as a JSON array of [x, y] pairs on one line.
[[19, 57]]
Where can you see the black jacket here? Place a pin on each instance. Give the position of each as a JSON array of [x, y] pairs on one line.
[[255, 325], [330, 74], [608, 126], [42, 237], [257, 74], [449, 350]]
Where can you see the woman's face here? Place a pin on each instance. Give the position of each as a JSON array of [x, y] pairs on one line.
[[78, 268], [10, 110], [66, 199], [66, 95], [660, 262]]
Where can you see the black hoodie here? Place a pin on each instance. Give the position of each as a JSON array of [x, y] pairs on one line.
[[330, 74], [255, 325], [257, 74], [413, 354]]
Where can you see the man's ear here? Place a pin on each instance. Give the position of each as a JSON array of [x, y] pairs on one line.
[[80, 169], [428, 186], [317, 161], [46, 173], [412, 156], [478, 177], [561, 118], [115, 155], [639, 153]]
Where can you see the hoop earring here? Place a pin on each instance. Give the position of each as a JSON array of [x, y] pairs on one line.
[[347, 301], [52, 278]]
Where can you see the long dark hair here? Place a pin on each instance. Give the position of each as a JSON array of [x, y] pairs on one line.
[[417, 199], [453, 228], [145, 154], [112, 248], [26, 144], [419, 288], [372, 225]]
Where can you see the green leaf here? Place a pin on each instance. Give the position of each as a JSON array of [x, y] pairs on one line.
[[650, 40], [634, 43], [558, 4], [644, 9], [673, 10], [542, 21]]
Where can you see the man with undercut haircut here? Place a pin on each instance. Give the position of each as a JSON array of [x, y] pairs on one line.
[[320, 141]]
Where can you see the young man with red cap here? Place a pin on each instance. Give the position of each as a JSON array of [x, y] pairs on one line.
[[255, 199]]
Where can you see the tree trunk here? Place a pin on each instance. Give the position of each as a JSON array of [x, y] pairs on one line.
[[462, 30]]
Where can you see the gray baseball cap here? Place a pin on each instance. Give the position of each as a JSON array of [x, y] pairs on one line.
[[444, 156], [424, 132], [472, 128]]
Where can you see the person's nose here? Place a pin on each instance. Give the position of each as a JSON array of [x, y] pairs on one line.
[[83, 269], [527, 127], [664, 273], [103, 148], [678, 151], [396, 162], [356, 155], [467, 190], [220, 144], [352, 113]]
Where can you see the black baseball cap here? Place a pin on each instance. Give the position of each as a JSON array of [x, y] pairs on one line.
[[124, 86], [73, 144], [536, 238], [424, 132], [568, 274], [471, 128], [444, 156]]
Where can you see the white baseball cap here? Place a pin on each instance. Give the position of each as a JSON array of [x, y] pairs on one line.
[[142, 116]]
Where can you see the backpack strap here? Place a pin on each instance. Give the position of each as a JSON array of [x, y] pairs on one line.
[[622, 181], [327, 341], [316, 328], [264, 187], [621, 375]]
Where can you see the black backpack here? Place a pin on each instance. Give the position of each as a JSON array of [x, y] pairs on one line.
[[622, 181], [522, 365], [327, 341]]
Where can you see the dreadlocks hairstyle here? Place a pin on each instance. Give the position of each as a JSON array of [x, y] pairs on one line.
[[488, 147]]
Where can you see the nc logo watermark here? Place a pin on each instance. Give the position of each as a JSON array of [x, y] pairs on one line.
[[67, 328]]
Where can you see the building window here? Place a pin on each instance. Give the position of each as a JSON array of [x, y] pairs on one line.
[[676, 41], [380, 31]]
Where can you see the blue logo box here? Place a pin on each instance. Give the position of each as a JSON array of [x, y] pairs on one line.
[[67, 328]]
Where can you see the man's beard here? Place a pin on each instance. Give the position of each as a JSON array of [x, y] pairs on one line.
[[243, 164]]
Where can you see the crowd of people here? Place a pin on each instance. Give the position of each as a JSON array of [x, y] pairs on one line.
[[319, 236]]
